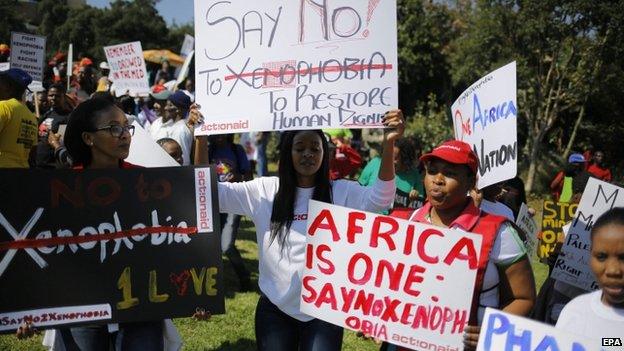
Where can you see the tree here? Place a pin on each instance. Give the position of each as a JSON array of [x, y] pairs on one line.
[[128, 21], [11, 20], [424, 32], [559, 47], [82, 30], [54, 14]]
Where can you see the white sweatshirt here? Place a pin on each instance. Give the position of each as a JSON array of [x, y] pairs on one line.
[[281, 270]]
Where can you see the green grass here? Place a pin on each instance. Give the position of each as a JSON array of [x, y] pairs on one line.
[[235, 330]]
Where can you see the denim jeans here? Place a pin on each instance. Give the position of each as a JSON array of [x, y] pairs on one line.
[[277, 331], [229, 229], [138, 336]]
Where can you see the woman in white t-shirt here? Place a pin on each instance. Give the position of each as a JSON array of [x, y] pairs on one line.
[[600, 314], [278, 206]]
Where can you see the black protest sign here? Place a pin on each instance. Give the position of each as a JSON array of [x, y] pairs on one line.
[[554, 216], [105, 246]]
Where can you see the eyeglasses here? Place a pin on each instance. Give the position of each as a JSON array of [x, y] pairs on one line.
[[117, 131]]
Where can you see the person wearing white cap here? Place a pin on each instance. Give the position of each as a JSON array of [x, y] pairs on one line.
[[104, 83]]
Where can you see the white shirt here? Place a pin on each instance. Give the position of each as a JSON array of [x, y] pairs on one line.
[[497, 208], [281, 270], [177, 131], [588, 316]]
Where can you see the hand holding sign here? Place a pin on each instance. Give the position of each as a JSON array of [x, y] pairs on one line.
[[394, 120]]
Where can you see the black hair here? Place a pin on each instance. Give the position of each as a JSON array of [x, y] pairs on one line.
[[163, 141], [104, 95], [407, 152], [579, 181], [58, 86], [612, 216], [83, 119], [15, 91], [127, 105], [283, 210]]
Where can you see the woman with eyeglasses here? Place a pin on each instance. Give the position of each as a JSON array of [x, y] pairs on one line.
[[98, 136]]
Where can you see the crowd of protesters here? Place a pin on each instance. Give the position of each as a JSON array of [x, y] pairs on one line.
[[80, 123]]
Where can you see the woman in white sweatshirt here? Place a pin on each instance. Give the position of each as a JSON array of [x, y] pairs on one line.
[[278, 207]]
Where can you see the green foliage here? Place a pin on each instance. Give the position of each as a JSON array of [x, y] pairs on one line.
[[89, 29], [424, 33], [11, 20], [137, 20], [429, 124]]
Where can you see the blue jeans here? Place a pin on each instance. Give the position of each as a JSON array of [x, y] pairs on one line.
[[277, 331], [229, 229], [138, 336]]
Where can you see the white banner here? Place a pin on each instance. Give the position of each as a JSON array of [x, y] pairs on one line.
[[46, 317], [127, 68], [572, 265], [28, 54], [144, 151], [526, 222], [282, 64], [394, 279], [188, 45], [485, 117], [503, 331]]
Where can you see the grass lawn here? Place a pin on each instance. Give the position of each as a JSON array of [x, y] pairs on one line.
[[235, 330]]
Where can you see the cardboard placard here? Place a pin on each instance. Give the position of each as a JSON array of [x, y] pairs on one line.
[[108, 246], [572, 265], [295, 64], [28, 54], [394, 279], [127, 68], [555, 215], [526, 222], [504, 331], [144, 151], [188, 45], [485, 116]]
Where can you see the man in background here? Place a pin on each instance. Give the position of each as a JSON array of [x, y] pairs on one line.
[[18, 126]]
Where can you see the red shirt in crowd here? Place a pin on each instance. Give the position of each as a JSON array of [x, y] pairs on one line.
[[599, 172], [346, 162]]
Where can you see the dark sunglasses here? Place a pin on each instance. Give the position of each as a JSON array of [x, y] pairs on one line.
[[117, 131]]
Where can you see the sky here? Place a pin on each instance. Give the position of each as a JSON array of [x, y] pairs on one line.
[[180, 11]]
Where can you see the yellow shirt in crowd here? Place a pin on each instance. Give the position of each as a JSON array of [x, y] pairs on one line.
[[18, 134]]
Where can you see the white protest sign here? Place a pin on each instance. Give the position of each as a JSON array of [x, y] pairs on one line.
[[282, 64], [504, 331], [394, 279], [526, 222], [145, 152], [28, 54], [572, 265], [70, 64], [5, 66], [485, 117], [184, 70], [127, 68], [187, 45]]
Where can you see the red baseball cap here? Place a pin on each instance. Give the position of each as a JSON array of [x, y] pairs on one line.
[[454, 151]]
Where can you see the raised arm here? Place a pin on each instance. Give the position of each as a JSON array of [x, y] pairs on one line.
[[395, 124]]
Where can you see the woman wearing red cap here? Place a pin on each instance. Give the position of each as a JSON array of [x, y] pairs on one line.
[[504, 277]]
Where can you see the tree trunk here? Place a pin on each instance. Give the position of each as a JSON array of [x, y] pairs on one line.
[[568, 148], [535, 148]]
